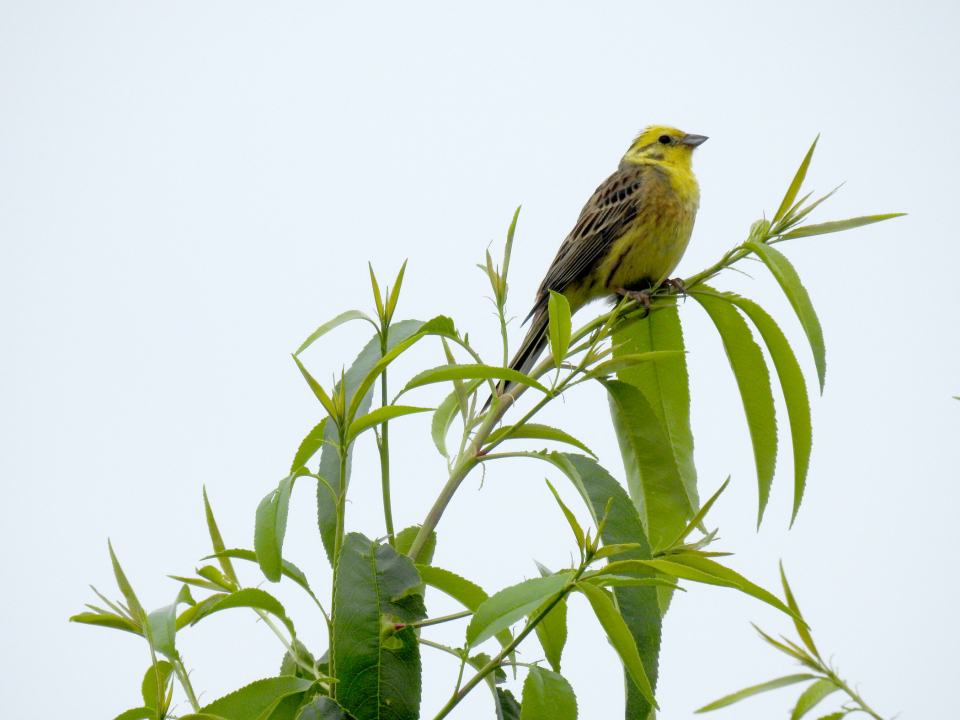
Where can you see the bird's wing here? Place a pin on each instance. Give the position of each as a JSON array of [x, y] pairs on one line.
[[603, 220]]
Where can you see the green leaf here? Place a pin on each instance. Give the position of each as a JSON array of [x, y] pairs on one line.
[[504, 608], [638, 606], [318, 390], [625, 362], [811, 697], [837, 225], [705, 570], [571, 519], [323, 708], [836, 715], [468, 594], [444, 373], [753, 379], [217, 540], [380, 415], [755, 690], [442, 419], [329, 453], [664, 383], [653, 477], [309, 446], [533, 431], [107, 620], [405, 538], [620, 637], [552, 629], [795, 185], [136, 609], [142, 713], [802, 629], [559, 326], [508, 707], [256, 700], [799, 299], [373, 582], [270, 528], [156, 682], [794, 392], [376, 292], [163, 628], [327, 327], [287, 568], [698, 518], [547, 696], [395, 293], [250, 598]]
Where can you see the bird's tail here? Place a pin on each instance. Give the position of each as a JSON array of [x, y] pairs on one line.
[[530, 349]]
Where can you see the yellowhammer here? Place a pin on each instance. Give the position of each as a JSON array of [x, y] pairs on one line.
[[630, 235]]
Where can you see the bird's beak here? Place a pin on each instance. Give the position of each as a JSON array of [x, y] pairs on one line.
[[693, 140]]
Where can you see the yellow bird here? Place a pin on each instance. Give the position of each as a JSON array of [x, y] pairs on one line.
[[630, 235]]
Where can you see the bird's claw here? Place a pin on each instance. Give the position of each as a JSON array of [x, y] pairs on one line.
[[640, 296], [676, 284]]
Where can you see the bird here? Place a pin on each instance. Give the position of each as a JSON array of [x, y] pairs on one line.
[[630, 235]]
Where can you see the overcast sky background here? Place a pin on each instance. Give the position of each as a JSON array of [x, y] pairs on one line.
[[187, 190]]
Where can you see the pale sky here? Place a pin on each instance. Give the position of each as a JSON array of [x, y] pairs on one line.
[[187, 190]]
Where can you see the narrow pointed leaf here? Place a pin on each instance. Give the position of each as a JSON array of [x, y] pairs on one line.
[[552, 629], [558, 326], [329, 454], [625, 362], [309, 446], [318, 390], [271, 527], [217, 540], [795, 185], [753, 380], [756, 690], [287, 568], [619, 635], [442, 419], [664, 383], [799, 299], [533, 431], [653, 477], [106, 620], [376, 291], [395, 293], [638, 605], [249, 598], [504, 608], [468, 594], [444, 373], [571, 518], [508, 247], [381, 414], [794, 392], [837, 225], [328, 326], [802, 629], [698, 518], [705, 570], [132, 603], [547, 696], [811, 697]]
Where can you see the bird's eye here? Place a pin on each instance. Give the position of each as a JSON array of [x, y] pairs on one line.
[[664, 139]]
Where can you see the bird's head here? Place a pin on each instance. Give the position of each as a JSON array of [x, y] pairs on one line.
[[663, 145]]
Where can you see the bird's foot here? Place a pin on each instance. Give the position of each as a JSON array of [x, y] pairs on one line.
[[676, 284], [640, 296]]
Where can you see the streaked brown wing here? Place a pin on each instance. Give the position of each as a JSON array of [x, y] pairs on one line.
[[602, 221]]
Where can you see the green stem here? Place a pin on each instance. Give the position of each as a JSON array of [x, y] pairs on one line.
[[184, 679], [337, 544], [384, 446], [498, 660], [443, 619]]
